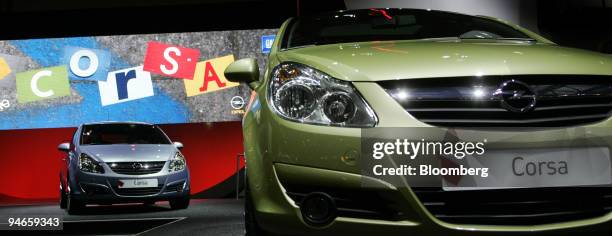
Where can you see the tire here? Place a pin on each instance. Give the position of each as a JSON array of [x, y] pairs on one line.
[[63, 201], [74, 206], [251, 226], [181, 203]]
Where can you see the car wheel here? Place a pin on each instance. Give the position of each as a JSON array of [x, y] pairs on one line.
[[62, 202], [250, 223], [181, 203], [73, 206]]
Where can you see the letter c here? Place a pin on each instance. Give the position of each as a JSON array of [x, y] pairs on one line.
[[376, 167], [34, 84], [93, 63], [171, 60], [514, 170]]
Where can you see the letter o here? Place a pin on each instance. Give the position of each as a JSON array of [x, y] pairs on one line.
[[531, 168], [93, 63]]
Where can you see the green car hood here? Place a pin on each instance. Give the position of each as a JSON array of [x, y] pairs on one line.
[[389, 60]]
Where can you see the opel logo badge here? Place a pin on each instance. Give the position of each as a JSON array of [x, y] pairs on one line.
[[237, 102], [136, 166], [516, 96]]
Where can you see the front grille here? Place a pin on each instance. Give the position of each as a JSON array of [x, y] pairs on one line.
[[136, 168], [138, 191], [352, 203], [516, 206], [560, 100]]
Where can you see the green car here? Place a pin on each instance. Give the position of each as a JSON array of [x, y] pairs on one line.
[[329, 77]]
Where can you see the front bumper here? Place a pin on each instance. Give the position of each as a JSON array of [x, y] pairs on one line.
[[280, 152], [102, 188], [285, 216]]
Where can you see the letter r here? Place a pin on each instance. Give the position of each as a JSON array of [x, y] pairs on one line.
[[122, 81]]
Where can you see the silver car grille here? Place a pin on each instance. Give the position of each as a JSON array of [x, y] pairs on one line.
[[558, 100], [136, 168], [522, 207]]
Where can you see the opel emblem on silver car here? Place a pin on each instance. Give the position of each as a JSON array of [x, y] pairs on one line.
[[136, 166], [516, 96]]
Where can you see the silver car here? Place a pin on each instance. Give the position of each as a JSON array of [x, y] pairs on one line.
[[122, 162]]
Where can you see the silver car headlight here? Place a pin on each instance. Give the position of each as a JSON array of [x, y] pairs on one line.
[[88, 164], [177, 163], [304, 94]]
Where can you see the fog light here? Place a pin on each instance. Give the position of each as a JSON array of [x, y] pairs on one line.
[[318, 209]]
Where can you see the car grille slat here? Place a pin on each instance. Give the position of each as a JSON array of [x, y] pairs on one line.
[[138, 191], [128, 168], [515, 121], [516, 206], [575, 106], [447, 109], [512, 216], [560, 100]]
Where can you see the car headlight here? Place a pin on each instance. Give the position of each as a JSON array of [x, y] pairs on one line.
[[88, 164], [303, 94], [177, 163]]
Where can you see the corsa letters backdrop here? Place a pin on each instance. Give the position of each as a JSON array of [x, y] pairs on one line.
[[50, 86]]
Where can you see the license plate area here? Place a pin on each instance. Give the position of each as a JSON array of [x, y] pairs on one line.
[[136, 183], [538, 168]]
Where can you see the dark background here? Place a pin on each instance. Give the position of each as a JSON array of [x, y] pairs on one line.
[[574, 23], [577, 23], [60, 18]]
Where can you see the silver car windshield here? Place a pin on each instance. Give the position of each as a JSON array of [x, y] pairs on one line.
[[107, 134]]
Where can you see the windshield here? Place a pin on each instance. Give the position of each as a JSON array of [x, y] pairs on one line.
[[106, 134], [392, 24]]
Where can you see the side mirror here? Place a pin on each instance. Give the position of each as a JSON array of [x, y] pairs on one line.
[[243, 70], [178, 145], [64, 147]]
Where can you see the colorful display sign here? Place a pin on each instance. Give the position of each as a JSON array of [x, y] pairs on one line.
[[171, 61], [46, 83], [209, 77], [157, 78], [125, 85], [87, 63], [5, 69]]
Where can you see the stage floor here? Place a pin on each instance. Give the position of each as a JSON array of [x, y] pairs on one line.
[[203, 217]]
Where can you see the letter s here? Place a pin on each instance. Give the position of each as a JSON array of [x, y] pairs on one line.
[[480, 147], [551, 167], [171, 60], [34, 84]]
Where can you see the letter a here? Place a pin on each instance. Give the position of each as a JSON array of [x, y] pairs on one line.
[[209, 76]]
